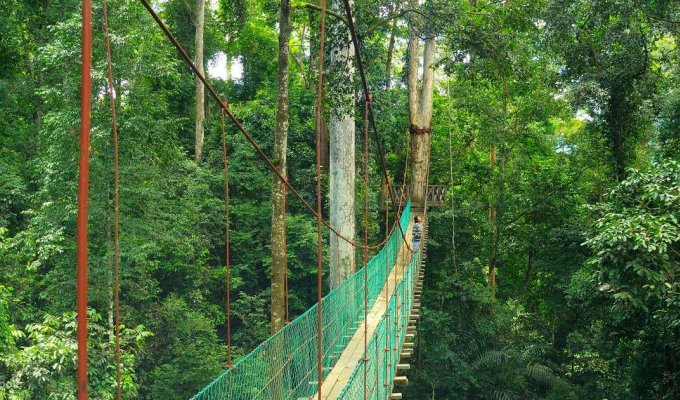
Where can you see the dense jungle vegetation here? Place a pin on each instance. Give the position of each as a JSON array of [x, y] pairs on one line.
[[555, 127]]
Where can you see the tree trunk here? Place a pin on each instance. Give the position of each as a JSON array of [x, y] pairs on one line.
[[325, 138], [420, 108], [228, 62], [390, 48], [342, 159], [492, 225], [453, 205], [200, 89], [279, 255]]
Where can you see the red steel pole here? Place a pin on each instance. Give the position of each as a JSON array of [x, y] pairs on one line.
[[83, 180]]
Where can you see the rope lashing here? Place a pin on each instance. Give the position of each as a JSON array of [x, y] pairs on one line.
[[414, 130]]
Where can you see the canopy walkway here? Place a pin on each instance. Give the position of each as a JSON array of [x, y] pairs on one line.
[[285, 367], [351, 343]]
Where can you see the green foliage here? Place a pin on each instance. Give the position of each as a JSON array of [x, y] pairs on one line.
[[6, 330], [186, 356], [44, 362], [636, 239], [570, 93]]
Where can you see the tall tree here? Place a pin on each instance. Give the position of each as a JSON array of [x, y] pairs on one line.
[[342, 153], [200, 90], [606, 49], [394, 9], [420, 104], [279, 256]]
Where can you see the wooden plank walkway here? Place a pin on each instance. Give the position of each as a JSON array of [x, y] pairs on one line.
[[354, 352]]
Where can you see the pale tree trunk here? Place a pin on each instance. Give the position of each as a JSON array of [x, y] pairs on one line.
[[228, 65], [324, 159], [413, 65], [453, 205], [496, 187], [342, 169], [420, 107], [493, 245], [279, 258], [200, 89]]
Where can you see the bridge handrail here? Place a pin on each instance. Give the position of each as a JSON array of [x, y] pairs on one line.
[[285, 365], [381, 350]]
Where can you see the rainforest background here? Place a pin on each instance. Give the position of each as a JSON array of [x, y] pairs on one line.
[[578, 100]]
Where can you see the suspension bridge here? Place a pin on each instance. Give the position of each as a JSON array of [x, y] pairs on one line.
[[356, 341], [284, 366]]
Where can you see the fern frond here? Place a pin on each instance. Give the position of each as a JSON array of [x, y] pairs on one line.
[[541, 374]]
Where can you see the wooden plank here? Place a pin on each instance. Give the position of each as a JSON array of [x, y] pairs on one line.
[[403, 367], [396, 396], [400, 380]]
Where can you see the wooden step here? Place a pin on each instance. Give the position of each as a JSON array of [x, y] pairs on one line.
[[396, 396], [406, 354], [400, 380], [403, 367], [410, 336], [408, 345]]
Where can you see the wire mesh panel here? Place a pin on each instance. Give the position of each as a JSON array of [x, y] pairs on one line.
[[285, 365]]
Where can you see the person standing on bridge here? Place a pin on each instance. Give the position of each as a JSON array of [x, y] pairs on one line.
[[417, 232]]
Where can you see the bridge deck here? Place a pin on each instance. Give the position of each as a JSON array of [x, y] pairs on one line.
[[354, 352]]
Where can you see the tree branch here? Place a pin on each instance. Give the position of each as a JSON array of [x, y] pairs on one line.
[[314, 7]]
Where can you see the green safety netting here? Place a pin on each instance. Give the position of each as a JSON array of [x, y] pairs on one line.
[[384, 348], [285, 365]]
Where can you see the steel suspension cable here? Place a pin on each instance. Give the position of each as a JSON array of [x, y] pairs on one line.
[[387, 290], [371, 117], [224, 105], [285, 256], [366, 107], [319, 104], [116, 196], [83, 197], [364, 83]]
